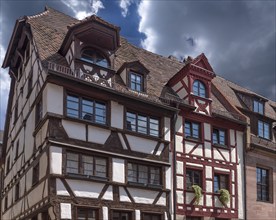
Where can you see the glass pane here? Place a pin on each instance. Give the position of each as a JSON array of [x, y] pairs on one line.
[[100, 167], [100, 113], [216, 183], [189, 179], [266, 131], [154, 127], [87, 162], [258, 173], [196, 87], [261, 108], [187, 129], [195, 130], [215, 136], [197, 177], [72, 163], [142, 124], [202, 90], [260, 129], [143, 174], [132, 172], [222, 137], [155, 175], [131, 121]]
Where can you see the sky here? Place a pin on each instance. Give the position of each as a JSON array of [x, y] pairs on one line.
[[238, 37]]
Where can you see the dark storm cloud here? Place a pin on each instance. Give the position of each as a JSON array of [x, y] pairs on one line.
[[238, 37]]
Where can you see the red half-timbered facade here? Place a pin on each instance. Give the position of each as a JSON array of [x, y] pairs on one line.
[[208, 147]]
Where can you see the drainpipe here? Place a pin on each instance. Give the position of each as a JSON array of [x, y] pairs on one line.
[[174, 162]]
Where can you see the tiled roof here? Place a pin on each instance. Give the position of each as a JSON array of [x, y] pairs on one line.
[[50, 28]]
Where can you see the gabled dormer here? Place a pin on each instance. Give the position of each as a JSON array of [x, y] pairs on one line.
[[89, 47], [134, 75], [193, 83]]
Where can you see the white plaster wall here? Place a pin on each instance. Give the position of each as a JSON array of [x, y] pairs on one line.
[[179, 167], [137, 214], [123, 195], [177, 86], [189, 146], [118, 170], [209, 200], [122, 140], [179, 124], [233, 155], [29, 133], [108, 195], [65, 211], [225, 153], [43, 164], [168, 177], [189, 197], [208, 172], [222, 169], [198, 151], [207, 131], [209, 186], [179, 182], [85, 189], [98, 135], [217, 155], [74, 129], [117, 115], [179, 143], [37, 193], [232, 137], [240, 174], [105, 212], [218, 202], [162, 200], [179, 197], [54, 98], [55, 160], [143, 196], [29, 177], [182, 93], [160, 149], [167, 128], [141, 144], [60, 188], [123, 75]]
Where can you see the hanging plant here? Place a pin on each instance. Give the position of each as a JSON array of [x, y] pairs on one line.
[[198, 193], [224, 196]]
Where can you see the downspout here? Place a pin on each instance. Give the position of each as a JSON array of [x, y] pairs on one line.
[[174, 161]]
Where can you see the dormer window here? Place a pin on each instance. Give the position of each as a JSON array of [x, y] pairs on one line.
[[258, 107], [94, 57], [199, 89], [136, 81]]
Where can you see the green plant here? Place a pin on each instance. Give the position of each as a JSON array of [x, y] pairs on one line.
[[198, 193], [224, 196]]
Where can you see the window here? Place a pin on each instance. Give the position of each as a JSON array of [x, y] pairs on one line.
[[35, 174], [17, 191], [86, 165], [94, 57], [263, 130], [144, 174], [86, 214], [39, 111], [258, 107], [191, 130], [16, 150], [120, 215], [136, 82], [193, 218], [262, 184], [193, 177], [199, 89], [8, 165], [150, 216], [220, 182], [82, 108], [219, 136], [30, 83], [142, 124]]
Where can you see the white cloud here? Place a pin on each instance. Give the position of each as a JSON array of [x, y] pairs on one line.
[[4, 88], [237, 37], [124, 5], [82, 9]]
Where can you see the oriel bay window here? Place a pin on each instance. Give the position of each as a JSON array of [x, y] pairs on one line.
[[87, 109], [219, 136], [86, 165], [144, 174], [142, 124], [86, 214]]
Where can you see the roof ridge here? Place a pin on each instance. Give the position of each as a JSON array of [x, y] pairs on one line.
[[48, 8], [46, 11]]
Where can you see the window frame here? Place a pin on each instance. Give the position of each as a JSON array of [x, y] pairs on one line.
[[96, 54], [149, 131], [216, 131], [142, 83], [17, 191], [191, 130], [35, 175], [193, 182], [129, 213], [151, 215], [200, 87], [96, 104], [87, 210], [149, 179], [219, 175], [263, 185], [262, 134], [81, 169], [258, 106]]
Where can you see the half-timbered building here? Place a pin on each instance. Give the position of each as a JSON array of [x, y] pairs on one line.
[[87, 135], [208, 147]]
